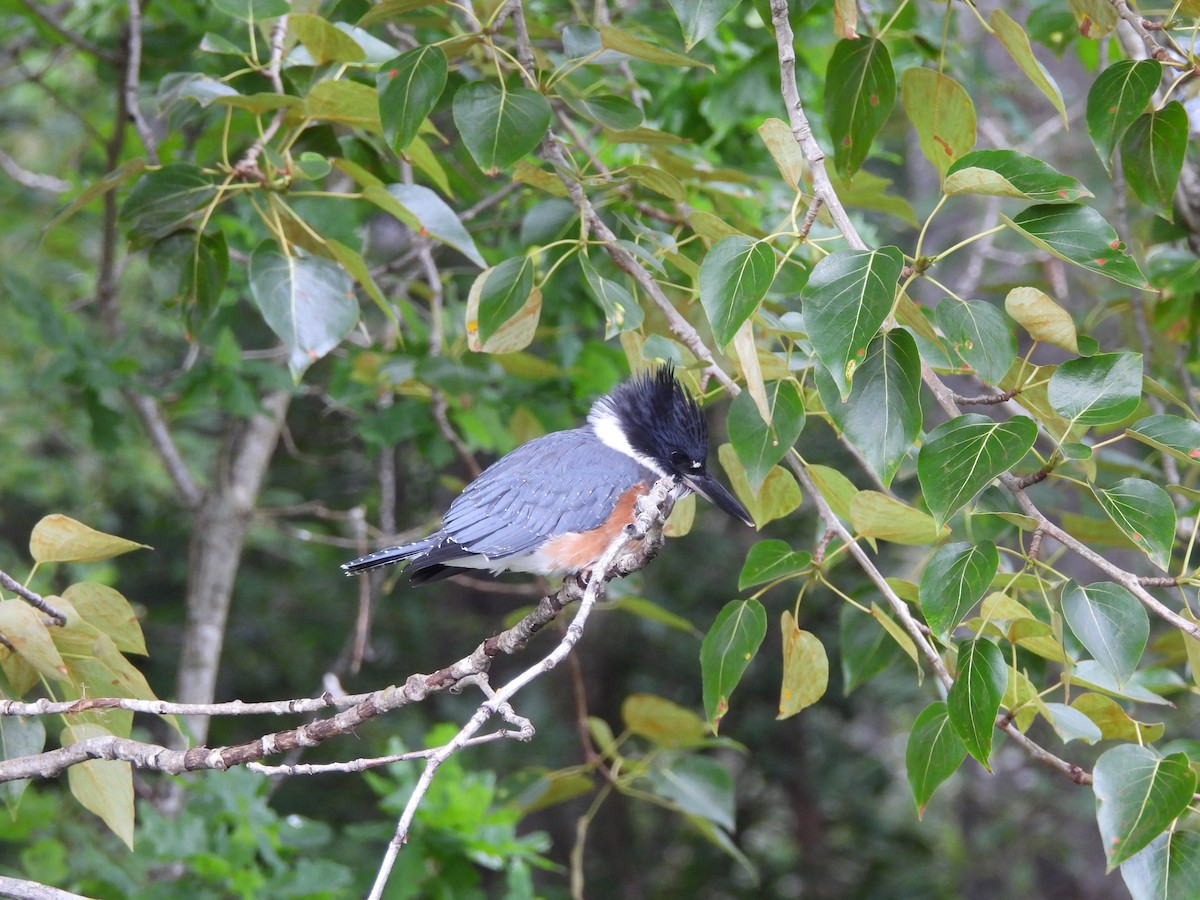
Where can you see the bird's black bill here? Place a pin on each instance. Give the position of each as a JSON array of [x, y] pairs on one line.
[[717, 494]]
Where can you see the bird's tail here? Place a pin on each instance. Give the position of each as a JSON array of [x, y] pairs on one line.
[[385, 557]]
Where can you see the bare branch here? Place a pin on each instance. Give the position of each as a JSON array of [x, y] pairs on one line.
[[155, 424], [34, 600], [41, 12], [133, 68], [19, 889], [25, 178]]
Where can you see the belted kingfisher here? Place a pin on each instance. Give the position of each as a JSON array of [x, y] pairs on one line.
[[553, 505]]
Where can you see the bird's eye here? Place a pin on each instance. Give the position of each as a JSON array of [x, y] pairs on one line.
[[678, 458]]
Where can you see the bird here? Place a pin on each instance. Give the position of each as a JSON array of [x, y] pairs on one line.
[[554, 504]]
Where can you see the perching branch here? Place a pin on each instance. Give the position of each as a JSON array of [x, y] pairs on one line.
[[33, 599], [629, 551], [634, 549]]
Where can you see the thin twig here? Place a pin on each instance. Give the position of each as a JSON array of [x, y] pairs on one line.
[[42, 13], [34, 600], [133, 67]]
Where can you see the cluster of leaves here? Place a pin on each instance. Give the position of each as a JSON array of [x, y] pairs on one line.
[[83, 657]]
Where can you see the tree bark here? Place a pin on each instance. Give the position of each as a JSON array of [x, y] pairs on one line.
[[218, 536]]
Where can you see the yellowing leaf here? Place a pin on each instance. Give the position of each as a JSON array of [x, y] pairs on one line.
[[805, 668], [23, 628], [59, 538]]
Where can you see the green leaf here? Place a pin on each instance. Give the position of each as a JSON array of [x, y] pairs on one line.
[[624, 42], [436, 219], [392, 9], [1097, 390], [1152, 153], [962, 456], [58, 538], [865, 648], [760, 445], [1008, 173], [345, 102], [663, 722], [608, 110], [506, 289], [1044, 319], [499, 126], [19, 736], [1114, 723], [514, 334], [860, 91], [166, 200], [942, 115], [980, 335], [734, 277], [697, 785], [1138, 795], [836, 488], [955, 578], [1090, 674], [1014, 39], [104, 787], [805, 668], [622, 312], [934, 753], [324, 42], [1118, 96], [1110, 623], [699, 18], [1145, 513], [877, 515], [409, 88], [848, 297], [771, 560], [974, 699], [1078, 234], [1071, 725], [882, 415], [1171, 434], [727, 650], [1168, 868], [192, 270], [309, 303], [253, 10]]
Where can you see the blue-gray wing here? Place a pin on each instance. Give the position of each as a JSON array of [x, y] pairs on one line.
[[559, 483]]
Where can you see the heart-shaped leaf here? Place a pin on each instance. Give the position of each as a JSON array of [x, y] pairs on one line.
[[876, 515], [1110, 622], [1080, 235], [934, 753], [769, 560], [727, 650], [699, 18], [760, 445], [435, 218], [962, 456], [1008, 173], [860, 91], [1138, 795], [882, 415], [1152, 152], [941, 112], [1168, 868], [848, 297], [1117, 97], [499, 126], [1097, 390], [1145, 513], [166, 200], [409, 88], [309, 303], [734, 277], [1175, 435], [955, 578], [980, 335], [974, 699], [58, 538]]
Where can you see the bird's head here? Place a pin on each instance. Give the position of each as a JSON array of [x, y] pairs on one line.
[[655, 420]]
